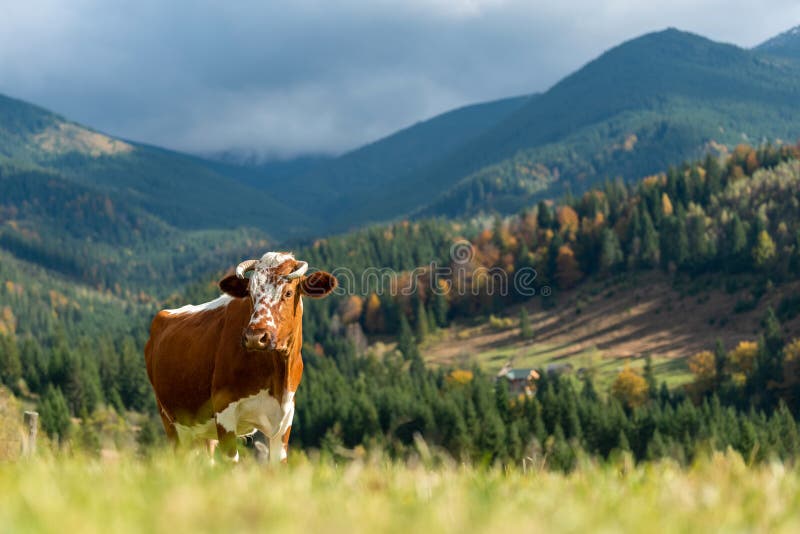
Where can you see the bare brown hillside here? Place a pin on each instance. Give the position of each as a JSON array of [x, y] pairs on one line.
[[598, 323]]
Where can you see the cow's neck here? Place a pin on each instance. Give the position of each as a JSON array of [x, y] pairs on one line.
[[294, 363]]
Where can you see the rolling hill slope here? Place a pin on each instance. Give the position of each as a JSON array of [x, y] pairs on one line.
[[184, 191]]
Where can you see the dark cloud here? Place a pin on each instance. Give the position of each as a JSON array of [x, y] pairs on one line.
[[286, 77]]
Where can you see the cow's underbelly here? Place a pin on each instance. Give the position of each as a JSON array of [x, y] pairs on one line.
[[260, 411], [188, 434]]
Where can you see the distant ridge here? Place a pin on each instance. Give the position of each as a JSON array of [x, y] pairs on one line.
[[787, 44], [365, 172]]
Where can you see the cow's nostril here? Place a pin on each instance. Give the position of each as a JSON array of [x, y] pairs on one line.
[[264, 339]]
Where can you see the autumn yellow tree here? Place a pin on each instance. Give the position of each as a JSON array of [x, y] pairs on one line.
[[568, 221], [630, 388], [666, 205], [751, 162], [764, 250], [703, 367], [742, 360], [460, 376]]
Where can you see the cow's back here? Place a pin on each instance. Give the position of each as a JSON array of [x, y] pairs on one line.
[[180, 358]]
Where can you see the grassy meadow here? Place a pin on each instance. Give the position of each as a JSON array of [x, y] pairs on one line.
[[169, 493]]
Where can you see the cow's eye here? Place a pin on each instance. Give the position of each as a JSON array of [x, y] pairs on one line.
[[288, 294]]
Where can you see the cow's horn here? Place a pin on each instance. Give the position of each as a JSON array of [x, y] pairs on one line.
[[244, 267], [300, 271]]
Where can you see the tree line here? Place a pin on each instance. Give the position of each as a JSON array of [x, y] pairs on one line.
[[352, 401]]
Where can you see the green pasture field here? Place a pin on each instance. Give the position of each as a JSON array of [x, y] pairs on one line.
[[604, 367], [169, 493]]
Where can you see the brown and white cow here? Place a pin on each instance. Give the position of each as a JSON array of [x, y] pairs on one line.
[[231, 366]]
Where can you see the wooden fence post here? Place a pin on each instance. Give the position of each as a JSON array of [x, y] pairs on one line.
[[31, 420]]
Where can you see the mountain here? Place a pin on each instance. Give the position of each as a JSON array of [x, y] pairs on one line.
[[648, 103], [183, 190], [363, 173], [787, 44], [119, 215], [270, 175]]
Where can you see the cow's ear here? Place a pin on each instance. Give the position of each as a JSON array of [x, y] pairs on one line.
[[234, 286], [318, 284]]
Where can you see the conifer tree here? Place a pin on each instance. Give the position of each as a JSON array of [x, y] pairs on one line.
[[405, 340], [622, 442], [545, 215], [10, 363], [674, 241], [525, 330], [422, 322], [720, 363], [440, 306], [737, 240], [610, 251], [54, 414], [650, 377], [650, 250]]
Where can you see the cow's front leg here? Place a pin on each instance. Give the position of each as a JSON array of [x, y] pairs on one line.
[[227, 442], [227, 420], [285, 445], [276, 450]]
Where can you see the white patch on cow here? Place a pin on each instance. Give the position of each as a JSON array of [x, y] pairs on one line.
[[218, 302], [276, 445], [270, 319], [188, 434], [263, 412], [273, 259], [265, 293]]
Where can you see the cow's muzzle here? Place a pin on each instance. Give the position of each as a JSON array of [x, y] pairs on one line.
[[258, 339]]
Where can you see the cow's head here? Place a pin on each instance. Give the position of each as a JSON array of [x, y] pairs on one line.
[[275, 288]]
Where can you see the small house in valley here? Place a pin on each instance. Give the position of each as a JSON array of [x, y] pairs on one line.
[[520, 381]]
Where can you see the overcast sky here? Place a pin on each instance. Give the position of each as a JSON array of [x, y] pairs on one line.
[[281, 78]]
